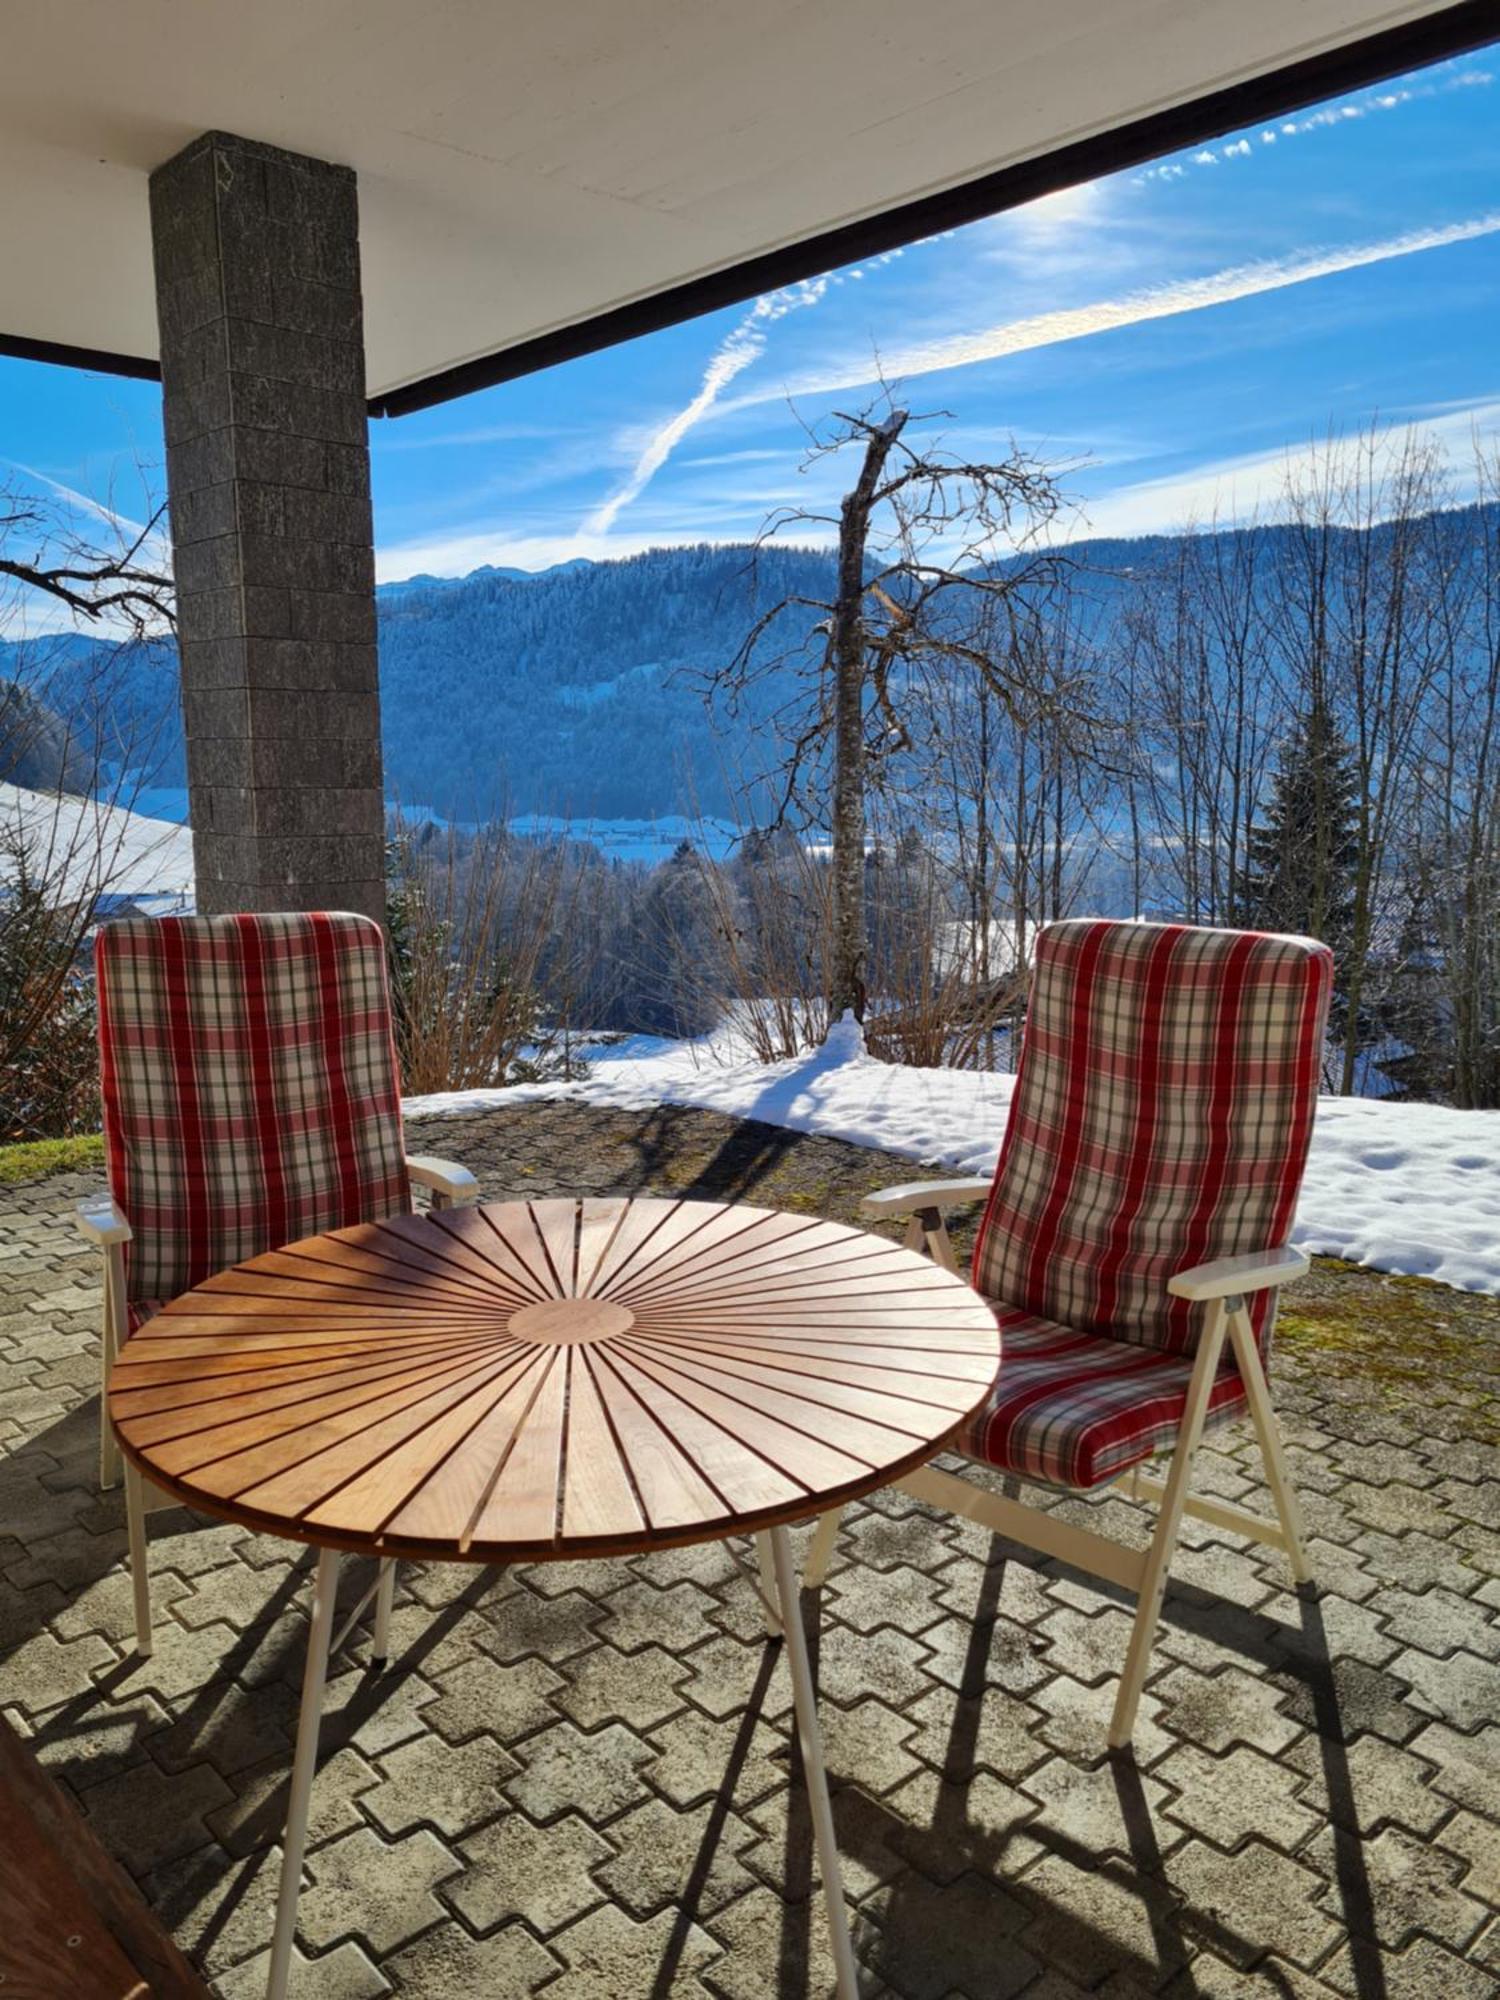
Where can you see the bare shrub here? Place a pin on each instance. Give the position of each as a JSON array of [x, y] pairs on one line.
[[480, 956], [49, 1067], [930, 1004]]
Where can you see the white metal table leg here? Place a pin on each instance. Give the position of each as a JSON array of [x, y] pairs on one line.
[[768, 1588], [384, 1598], [820, 1553], [811, 1737], [304, 1764]]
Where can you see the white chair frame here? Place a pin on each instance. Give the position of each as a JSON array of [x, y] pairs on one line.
[[1221, 1287], [104, 1225]]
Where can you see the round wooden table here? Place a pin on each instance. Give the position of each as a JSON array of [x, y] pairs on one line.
[[533, 1381]]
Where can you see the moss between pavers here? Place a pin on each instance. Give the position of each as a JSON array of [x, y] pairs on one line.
[[1409, 1340], [36, 1158]]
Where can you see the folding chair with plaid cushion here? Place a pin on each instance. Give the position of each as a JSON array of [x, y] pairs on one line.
[[250, 1091], [1137, 1221]]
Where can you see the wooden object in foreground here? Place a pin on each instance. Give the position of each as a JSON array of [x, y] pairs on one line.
[[552, 1378], [71, 1922], [538, 1380]]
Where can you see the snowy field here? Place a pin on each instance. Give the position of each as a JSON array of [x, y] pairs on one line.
[[1409, 1188], [81, 845]]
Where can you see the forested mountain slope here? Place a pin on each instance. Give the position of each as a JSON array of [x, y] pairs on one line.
[[578, 691]]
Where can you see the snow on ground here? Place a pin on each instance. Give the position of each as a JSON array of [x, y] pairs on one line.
[[1410, 1188], [79, 845]]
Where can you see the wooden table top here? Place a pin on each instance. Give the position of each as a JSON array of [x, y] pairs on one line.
[[552, 1378]]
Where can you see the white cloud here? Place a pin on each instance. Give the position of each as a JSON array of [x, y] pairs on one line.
[[1049, 329], [1327, 118], [1253, 483], [741, 345]]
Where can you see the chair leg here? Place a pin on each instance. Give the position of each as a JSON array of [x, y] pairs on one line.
[[112, 1335], [385, 1597], [1268, 1436], [1168, 1527], [820, 1553], [140, 1567]]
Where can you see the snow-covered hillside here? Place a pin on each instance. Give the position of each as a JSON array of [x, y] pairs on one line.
[[1406, 1188], [78, 844]]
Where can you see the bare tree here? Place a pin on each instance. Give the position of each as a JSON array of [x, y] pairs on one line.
[[935, 554], [123, 586], [63, 845]]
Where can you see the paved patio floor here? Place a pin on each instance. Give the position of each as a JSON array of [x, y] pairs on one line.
[[578, 1779]]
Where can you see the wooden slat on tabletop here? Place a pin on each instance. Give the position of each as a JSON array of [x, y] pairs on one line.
[[443, 1508]]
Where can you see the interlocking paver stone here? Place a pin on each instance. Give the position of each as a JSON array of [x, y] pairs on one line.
[[640, 1615], [1091, 1922], [1241, 1904], [1304, 1762], [1428, 1971], [670, 1857], [477, 1698], [554, 1627], [698, 1757], [381, 1891], [344, 1973], [256, 1813], [1467, 1767], [149, 1816], [932, 1939], [1413, 1886], [642, 1691], [608, 1954], [1462, 1689], [957, 1734], [452, 1786], [1228, 1798], [512, 1868], [1367, 1783], [1223, 1709], [563, 1769], [447, 1965]]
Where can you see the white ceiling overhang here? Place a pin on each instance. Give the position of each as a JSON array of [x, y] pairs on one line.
[[533, 176]]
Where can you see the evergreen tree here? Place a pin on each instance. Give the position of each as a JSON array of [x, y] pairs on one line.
[[1301, 858]]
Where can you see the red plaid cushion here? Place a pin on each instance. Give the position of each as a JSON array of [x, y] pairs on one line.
[[1161, 1118], [249, 1084], [1072, 1409]]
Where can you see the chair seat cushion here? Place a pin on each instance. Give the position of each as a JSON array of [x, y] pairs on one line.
[[138, 1311], [1075, 1409]]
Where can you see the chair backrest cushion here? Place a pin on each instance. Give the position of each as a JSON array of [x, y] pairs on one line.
[[1161, 1118], [250, 1087]]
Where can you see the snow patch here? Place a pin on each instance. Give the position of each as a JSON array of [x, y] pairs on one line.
[[1406, 1188]]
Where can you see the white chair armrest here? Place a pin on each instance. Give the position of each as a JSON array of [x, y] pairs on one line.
[[101, 1222], [444, 1177], [913, 1195], [1226, 1276]]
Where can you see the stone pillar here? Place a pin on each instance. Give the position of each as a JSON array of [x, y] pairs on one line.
[[268, 474]]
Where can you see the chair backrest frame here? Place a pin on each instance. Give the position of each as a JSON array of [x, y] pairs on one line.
[[1162, 1115], [249, 1084]]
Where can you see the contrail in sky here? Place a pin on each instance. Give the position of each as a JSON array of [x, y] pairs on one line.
[[1049, 329], [742, 345]]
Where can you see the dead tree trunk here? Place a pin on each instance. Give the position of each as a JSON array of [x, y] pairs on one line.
[[848, 655]]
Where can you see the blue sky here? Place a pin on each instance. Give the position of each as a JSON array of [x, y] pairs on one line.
[[1165, 337]]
